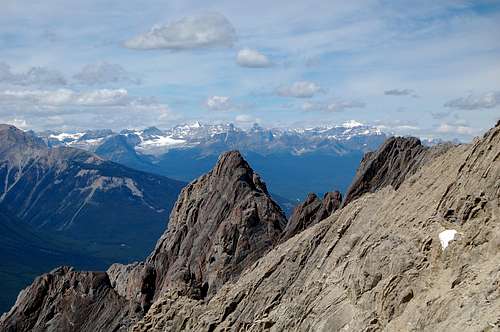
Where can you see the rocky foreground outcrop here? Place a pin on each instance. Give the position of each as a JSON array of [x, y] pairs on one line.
[[66, 300], [420, 253], [383, 262]]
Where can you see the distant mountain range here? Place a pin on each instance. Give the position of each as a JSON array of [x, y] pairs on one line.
[[76, 193], [60, 205], [294, 161]]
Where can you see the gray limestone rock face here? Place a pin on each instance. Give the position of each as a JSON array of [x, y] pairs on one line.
[[312, 211], [66, 300], [221, 224], [383, 262], [391, 164]]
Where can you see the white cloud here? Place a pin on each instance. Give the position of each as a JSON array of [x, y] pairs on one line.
[[300, 89], [475, 102], [104, 72], [252, 59], [446, 128], [219, 103], [35, 76], [208, 30]]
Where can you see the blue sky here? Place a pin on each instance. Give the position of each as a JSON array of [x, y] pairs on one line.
[[427, 68]]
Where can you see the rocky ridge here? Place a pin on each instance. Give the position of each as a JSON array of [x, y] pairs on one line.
[[311, 211], [397, 159], [379, 263]]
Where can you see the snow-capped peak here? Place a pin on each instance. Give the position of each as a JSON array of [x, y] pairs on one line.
[[352, 124], [66, 136]]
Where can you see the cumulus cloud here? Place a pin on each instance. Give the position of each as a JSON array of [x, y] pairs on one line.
[[37, 76], [104, 73], [208, 30], [219, 103], [252, 59], [400, 92], [475, 102], [300, 89]]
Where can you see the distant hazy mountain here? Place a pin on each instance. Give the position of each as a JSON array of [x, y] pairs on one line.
[[116, 210], [294, 161]]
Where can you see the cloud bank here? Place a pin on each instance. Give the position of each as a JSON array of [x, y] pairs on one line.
[[475, 102], [67, 97], [99, 108]]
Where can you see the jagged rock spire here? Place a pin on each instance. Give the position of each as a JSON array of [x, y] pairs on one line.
[[221, 223], [391, 164], [312, 211]]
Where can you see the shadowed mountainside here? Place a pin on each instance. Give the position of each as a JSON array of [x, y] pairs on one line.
[[77, 194]]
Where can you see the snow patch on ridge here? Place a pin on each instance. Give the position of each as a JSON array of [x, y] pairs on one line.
[[161, 141], [446, 236], [65, 136]]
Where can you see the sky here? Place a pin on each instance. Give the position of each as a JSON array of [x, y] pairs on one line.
[[425, 68]]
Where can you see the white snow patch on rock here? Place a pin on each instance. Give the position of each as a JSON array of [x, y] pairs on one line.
[[446, 236], [66, 136]]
